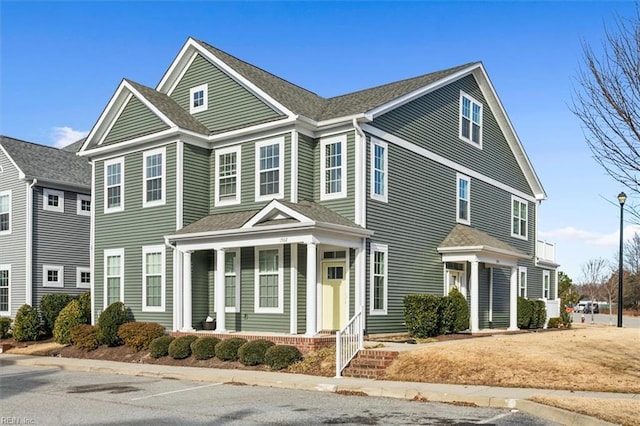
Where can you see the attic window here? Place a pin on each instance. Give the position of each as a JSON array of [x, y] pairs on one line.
[[198, 99], [470, 120]]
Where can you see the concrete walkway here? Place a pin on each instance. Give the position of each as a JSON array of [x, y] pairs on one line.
[[484, 396]]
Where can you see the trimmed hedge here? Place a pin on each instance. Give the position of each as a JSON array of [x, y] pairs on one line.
[[160, 347], [204, 347], [252, 353], [461, 309], [525, 312], [138, 335], [531, 313], [26, 326], [50, 307], [539, 316], [554, 322], [5, 327], [180, 348], [421, 315], [227, 349], [69, 317], [108, 323], [85, 306], [278, 357], [83, 336]]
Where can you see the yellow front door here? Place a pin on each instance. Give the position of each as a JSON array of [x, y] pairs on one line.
[[334, 295]]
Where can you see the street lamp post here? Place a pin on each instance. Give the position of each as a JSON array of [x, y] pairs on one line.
[[622, 197]]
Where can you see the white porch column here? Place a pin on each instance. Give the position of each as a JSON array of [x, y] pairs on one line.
[[513, 299], [186, 292], [220, 292], [293, 318], [312, 293], [474, 293]]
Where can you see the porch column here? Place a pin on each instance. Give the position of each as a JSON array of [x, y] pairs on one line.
[[474, 293], [312, 292], [513, 299], [186, 292], [220, 292]]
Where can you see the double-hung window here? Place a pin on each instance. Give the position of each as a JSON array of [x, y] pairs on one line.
[[153, 278], [470, 120], [83, 206], [53, 200], [519, 215], [114, 185], [228, 176], [154, 177], [379, 172], [231, 275], [270, 169], [198, 98], [333, 168], [546, 285], [5, 285], [379, 276], [52, 276], [522, 281], [463, 214], [113, 276], [269, 285], [5, 212]]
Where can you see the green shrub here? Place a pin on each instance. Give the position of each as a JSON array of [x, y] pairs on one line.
[[447, 318], [204, 347], [252, 353], [83, 336], [539, 315], [108, 323], [70, 316], [50, 307], [26, 326], [5, 327], [180, 348], [160, 347], [566, 318], [421, 315], [227, 349], [554, 322], [138, 335], [281, 356], [461, 308], [85, 306], [525, 312]]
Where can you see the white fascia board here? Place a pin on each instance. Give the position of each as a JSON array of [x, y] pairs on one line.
[[149, 105], [258, 131], [108, 116], [275, 205], [58, 184], [479, 249], [21, 174], [240, 231], [343, 229]]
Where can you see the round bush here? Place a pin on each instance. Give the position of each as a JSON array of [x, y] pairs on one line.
[[5, 327], [50, 307], [70, 316], [108, 323], [83, 337], [180, 348], [138, 335], [461, 308], [160, 347], [281, 356], [227, 350], [252, 353], [204, 347], [85, 306], [26, 326]]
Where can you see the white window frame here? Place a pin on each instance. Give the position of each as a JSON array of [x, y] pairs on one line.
[[205, 104], [235, 200], [108, 253], [45, 200], [163, 286], [522, 286], [3, 194], [511, 216], [79, 271], [281, 178], [236, 273], [163, 177], [384, 197], [373, 249], [79, 210], [324, 195], [7, 267], [45, 276], [460, 177], [546, 285], [470, 138], [107, 163], [280, 308]]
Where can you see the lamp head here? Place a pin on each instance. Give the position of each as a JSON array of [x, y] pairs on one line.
[[622, 197]]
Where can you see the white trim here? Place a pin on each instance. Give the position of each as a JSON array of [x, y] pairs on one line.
[[526, 227], [271, 310], [28, 292], [324, 195], [281, 159], [179, 184], [546, 285], [46, 192], [274, 206], [113, 253], [384, 197], [204, 88], [360, 176], [59, 283], [106, 164], [444, 161], [2, 194], [470, 140], [293, 282], [372, 250], [460, 177], [236, 274], [521, 270], [7, 267], [490, 295], [79, 271], [79, 210], [294, 166], [237, 149], [163, 273], [92, 242], [162, 151]]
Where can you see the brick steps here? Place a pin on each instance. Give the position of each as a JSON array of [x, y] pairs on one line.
[[369, 364]]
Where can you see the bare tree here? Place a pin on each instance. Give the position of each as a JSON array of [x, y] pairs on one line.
[[607, 101], [632, 254], [594, 272], [610, 289]]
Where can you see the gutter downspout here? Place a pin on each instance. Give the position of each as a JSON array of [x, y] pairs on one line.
[[361, 217], [28, 291]]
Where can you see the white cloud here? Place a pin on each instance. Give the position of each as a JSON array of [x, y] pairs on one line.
[[569, 233], [63, 136]]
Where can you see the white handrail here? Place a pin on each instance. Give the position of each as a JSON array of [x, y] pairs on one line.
[[349, 341]]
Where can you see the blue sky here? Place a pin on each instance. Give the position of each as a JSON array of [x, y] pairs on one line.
[[61, 62]]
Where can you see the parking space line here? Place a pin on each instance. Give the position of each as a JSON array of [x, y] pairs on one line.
[[176, 391], [493, 419]]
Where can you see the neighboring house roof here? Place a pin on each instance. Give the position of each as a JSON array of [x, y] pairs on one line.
[[47, 163], [74, 147], [466, 237]]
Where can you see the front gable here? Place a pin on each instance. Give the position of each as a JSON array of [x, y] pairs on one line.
[[135, 120]]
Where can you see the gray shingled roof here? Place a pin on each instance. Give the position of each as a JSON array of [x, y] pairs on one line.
[[48, 163], [466, 236], [319, 213], [74, 147]]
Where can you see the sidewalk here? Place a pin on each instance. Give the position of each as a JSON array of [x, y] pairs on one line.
[[483, 396]]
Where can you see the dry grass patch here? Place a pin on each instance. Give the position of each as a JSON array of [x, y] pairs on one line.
[[619, 411], [319, 363], [589, 359]]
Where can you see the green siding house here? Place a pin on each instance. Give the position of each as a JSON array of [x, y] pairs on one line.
[[228, 192]]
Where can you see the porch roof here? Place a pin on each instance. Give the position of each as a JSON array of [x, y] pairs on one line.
[[465, 239]]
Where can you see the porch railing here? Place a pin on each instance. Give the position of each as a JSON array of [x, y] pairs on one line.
[[349, 341], [546, 251]]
